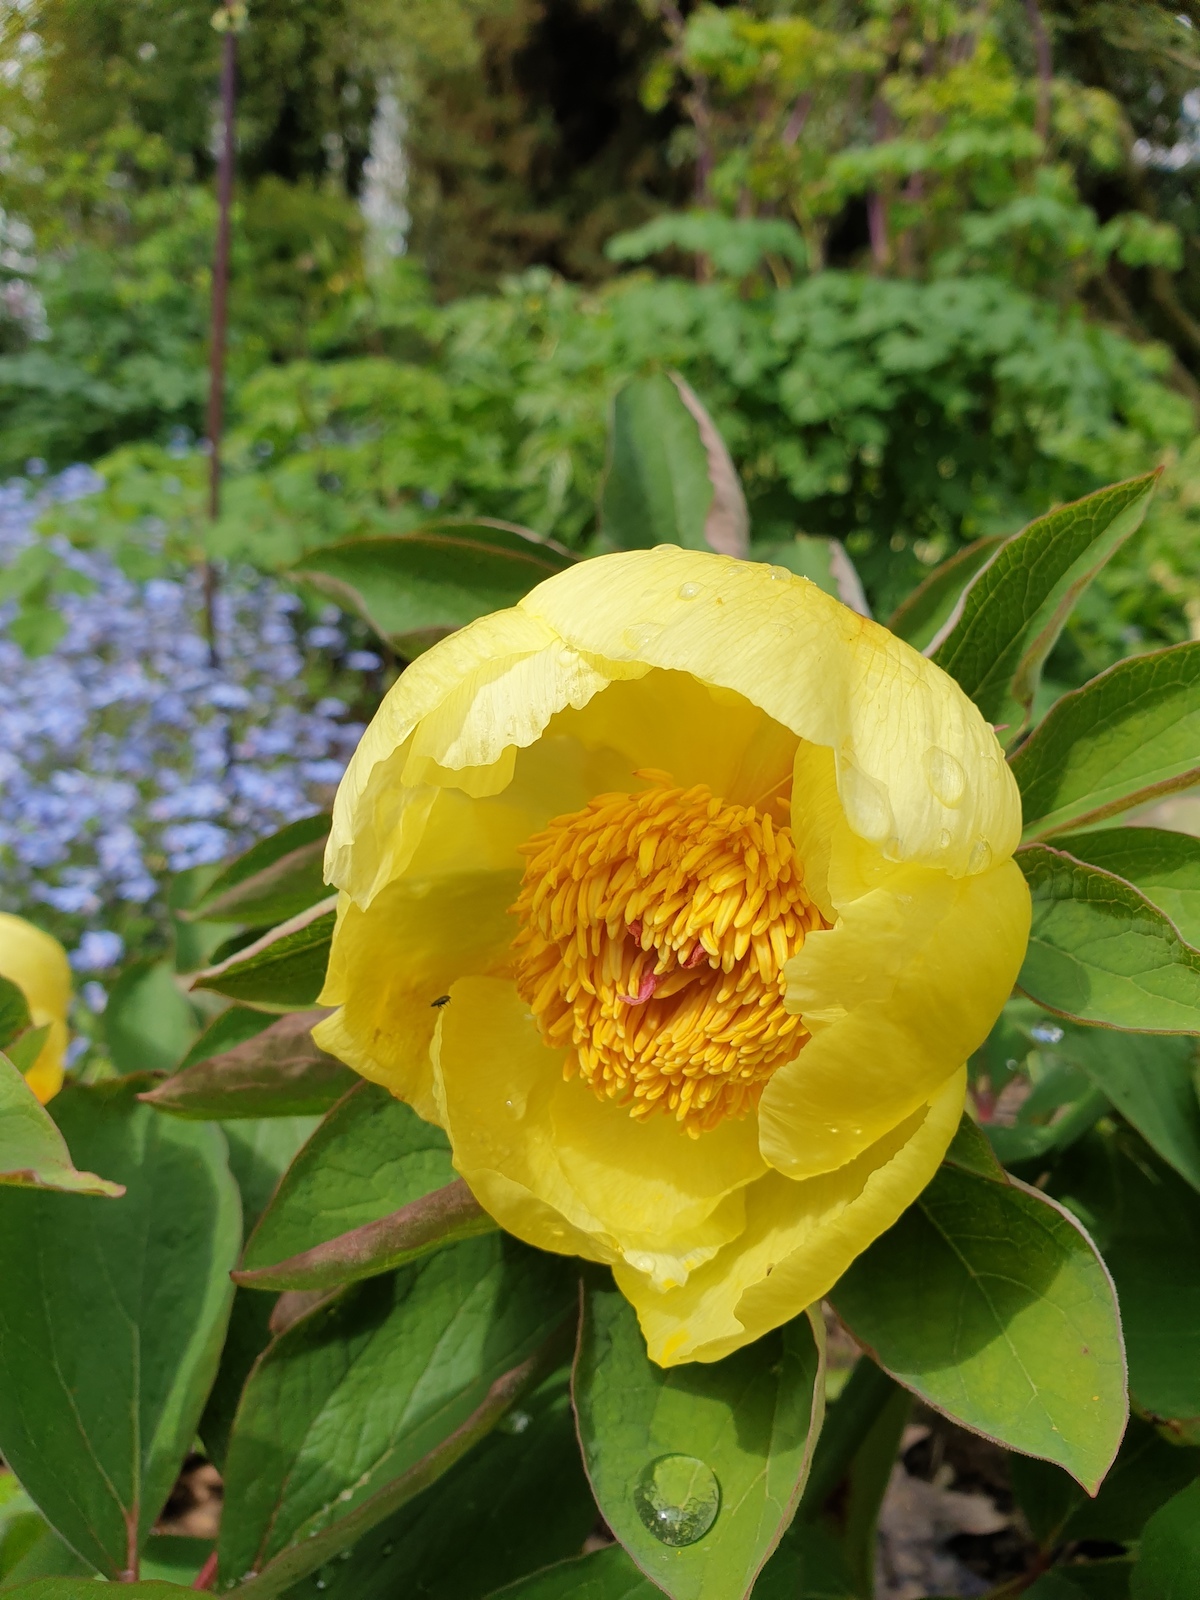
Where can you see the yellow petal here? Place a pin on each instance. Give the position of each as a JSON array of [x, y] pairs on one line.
[[556, 1166], [919, 771], [896, 996], [38, 965], [798, 1240]]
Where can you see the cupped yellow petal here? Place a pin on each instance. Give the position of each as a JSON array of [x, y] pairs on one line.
[[798, 1240], [919, 771], [38, 965], [557, 1166]]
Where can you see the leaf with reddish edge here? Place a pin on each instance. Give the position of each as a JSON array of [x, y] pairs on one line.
[[426, 1224]]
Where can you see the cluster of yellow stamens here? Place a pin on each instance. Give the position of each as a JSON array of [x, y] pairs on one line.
[[654, 931]]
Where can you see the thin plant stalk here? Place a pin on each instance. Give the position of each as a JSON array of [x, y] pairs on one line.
[[220, 319]]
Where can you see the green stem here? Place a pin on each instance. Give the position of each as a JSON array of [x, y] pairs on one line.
[[847, 1424]]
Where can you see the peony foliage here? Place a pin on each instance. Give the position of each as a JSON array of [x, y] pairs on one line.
[[702, 979]]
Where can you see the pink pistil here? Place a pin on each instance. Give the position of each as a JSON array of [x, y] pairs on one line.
[[646, 988], [697, 955]]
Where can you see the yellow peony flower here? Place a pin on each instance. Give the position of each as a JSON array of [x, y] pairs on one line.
[[38, 965], [678, 895]]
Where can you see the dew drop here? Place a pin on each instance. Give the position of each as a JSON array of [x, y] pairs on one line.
[[981, 856], [515, 1422], [780, 574], [944, 839], [945, 776], [1046, 1033], [641, 636], [678, 1498], [321, 1584], [688, 591], [867, 805]]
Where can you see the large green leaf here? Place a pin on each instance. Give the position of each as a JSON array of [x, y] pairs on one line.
[[413, 587], [14, 1012], [278, 1072], [607, 1574], [1127, 736], [1168, 1564], [1147, 1472], [1100, 952], [33, 1153], [989, 1301], [1146, 1220], [413, 1230], [669, 479], [148, 1021], [1152, 1081], [282, 971], [273, 880], [516, 1503], [370, 1156], [85, 1589], [1016, 607], [1164, 866], [227, 1029], [922, 614], [365, 1401], [697, 1469], [112, 1319]]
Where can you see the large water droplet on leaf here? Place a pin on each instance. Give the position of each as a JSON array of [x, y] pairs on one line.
[[678, 1497]]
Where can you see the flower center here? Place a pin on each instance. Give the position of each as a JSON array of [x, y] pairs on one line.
[[655, 929]]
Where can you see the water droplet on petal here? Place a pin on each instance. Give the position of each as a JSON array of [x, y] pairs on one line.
[[780, 574], [944, 839], [678, 1498], [868, 809], [945, 776], [980, 858], [688, 591], [511, 1107], [638, 638]]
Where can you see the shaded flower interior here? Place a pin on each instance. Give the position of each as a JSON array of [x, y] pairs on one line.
[[655, 929]]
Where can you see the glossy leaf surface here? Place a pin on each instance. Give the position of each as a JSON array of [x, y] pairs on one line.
[[1165, 866], [282, 971], [749, 1422], [1125, 737], [108, 1352], [1100, 952], [382, 1387], [370, 1156], [273, 880], [148, 1020], [990, 1302], [657, 488], [1016, 607]]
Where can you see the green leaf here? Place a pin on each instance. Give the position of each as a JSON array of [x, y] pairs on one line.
[[657, 488], [1126, 737], [989, 1301], [919, 617], [1151, 1081], [1015, 608], [112, 1325], [1168, 1564], [414, 1230], [279, 1072], [1147, 1472], [148, 1021], [1146, 1220], [411, 588], [1164, 866], [24, 1051], [260, 1151], [230, 1028], [282, 971], [607, 1574], [33, 1153], [727, 1444], [272, 881], [823, 562], [385, 1385], [1055, 1586], [14, 1012], [517, 1502], [371, 1156], [85, 1589], [1100, 952]]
